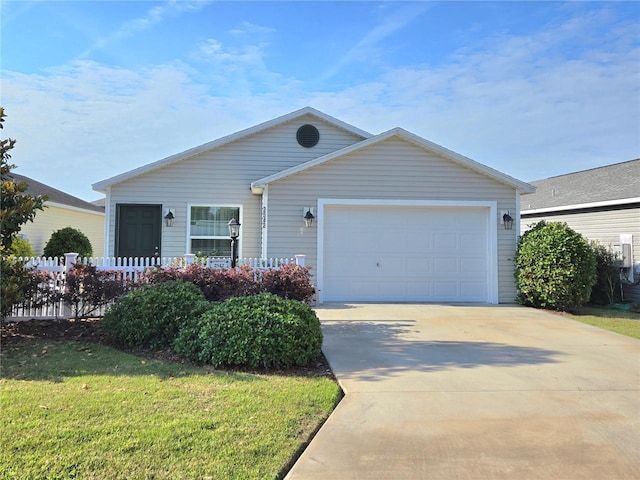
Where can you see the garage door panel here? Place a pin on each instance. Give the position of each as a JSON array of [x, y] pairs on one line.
[[472, 289], [419, 289], [445, 265], [473, 266], [419, 266], [445, 243], [418, 243], [472, 244], [397, 253], [445, 289]]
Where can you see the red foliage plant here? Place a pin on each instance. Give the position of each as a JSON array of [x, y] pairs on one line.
[[289, 281]]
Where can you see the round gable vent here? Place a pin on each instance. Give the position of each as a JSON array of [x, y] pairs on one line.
[[308, 136]]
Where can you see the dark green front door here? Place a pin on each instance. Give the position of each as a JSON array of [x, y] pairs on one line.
[[138, 230]]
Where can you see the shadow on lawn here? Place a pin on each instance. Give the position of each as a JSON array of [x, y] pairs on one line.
[[54, 361], [377, 350], [55, 349]]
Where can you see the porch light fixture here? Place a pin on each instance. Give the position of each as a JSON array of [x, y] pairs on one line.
[[507, 220], [308, 218], [234, 233], [169, 219]]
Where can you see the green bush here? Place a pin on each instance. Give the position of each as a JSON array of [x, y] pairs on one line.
[[260, 331], [607, 289], [67, 240], [152, 315], [21, 248], [555, 267], [14, 280]]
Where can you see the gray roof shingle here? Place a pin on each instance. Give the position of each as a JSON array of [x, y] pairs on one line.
[[55, 196], [611, 182]]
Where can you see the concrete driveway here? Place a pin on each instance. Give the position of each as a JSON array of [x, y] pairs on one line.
[[475, 392]]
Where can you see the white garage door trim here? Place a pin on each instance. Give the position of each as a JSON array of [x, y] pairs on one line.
[[492, 241]]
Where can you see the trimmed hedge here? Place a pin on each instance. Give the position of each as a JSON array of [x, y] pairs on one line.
[[152, 315], [68, 240], [555, 267], [289, 281], [260, 331]]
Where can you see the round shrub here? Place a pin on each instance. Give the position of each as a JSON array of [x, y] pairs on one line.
[[21, 247], [259, 331], [152, 315], [555, 267], [67, 240]]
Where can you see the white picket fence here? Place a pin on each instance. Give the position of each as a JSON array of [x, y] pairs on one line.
[[131, 267]]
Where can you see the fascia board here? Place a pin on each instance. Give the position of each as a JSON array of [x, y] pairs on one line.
[[72, 208], [578, 206]]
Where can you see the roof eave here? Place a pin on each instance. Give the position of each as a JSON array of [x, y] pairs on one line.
[[580, 206]]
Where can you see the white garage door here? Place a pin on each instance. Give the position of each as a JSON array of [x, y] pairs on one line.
[[399, 253]]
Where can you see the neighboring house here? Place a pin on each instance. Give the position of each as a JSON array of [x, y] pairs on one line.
[[602, 204], [61, 210], [396, 217]]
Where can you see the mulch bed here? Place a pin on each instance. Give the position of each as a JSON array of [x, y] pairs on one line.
[[90, 331]]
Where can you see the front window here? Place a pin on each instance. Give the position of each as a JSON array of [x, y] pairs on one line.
[[209, 232]]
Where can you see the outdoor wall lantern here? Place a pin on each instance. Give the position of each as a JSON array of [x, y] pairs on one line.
[[169, 218], [234, 233], [507, 220], [308, 217]]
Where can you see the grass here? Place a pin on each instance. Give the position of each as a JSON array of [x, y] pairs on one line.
[[619, 321], [75, 410]]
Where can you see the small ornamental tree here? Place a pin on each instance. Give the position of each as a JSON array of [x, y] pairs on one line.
[[555, 267], [608, 288], [21, 248], [89, 289], [68, 240], [16, 208]]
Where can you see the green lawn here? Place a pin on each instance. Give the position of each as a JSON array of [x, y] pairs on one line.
[[75, 410], [624, 322]]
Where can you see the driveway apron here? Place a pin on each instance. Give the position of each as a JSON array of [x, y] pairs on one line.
[[475, 392]]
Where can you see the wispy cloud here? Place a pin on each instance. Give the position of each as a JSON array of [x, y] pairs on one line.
[[248, 28], [154, 16], [366, 50]]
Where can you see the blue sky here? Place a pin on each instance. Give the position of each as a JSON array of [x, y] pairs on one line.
[[534, 89]]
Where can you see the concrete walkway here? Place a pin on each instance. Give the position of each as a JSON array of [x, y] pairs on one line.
[[475, 392]]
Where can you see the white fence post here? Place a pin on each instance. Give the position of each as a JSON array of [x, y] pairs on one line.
[[300, 259], [69, 260], [189, 257]]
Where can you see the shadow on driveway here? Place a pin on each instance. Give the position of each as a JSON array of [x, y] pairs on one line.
[[372, 350]]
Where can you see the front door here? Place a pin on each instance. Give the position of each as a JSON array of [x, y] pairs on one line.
[[139, 229]]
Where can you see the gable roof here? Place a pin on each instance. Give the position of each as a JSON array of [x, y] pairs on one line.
[[615, 184], [258, 185], [104, 184], [56, 197]]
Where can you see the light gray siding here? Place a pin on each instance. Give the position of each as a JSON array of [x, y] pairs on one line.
[[222, 177], [391, 169], [603, 226]]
